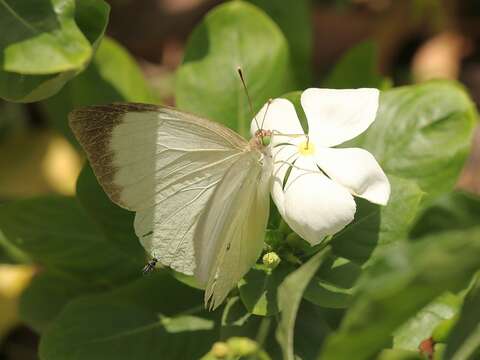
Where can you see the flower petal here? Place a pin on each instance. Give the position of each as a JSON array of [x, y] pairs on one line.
[[280, 116], [335, 116], [313, 205], [357, 170], [284, 156]]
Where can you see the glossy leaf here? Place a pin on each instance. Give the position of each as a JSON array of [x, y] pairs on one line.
[[42, 38], [398, 285], [422, 133], [234, 34], [51, 43], [137, 321], [290, 295]]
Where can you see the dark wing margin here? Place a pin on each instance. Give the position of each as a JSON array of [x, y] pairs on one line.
[[93, 127]]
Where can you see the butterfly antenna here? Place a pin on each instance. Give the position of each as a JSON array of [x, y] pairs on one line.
[[240, 73], [266, 111]]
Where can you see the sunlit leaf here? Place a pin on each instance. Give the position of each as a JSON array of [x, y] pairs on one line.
[[234, 34], [422, 133], [47, 44]]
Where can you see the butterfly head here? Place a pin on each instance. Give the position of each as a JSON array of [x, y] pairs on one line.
[[262, 139]]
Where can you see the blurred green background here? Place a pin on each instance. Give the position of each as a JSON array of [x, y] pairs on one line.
[[413, 40]]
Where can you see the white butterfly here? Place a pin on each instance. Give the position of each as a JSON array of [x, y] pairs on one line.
[[200, 191]]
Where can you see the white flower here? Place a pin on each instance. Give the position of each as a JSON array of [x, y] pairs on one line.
[[314, 183]]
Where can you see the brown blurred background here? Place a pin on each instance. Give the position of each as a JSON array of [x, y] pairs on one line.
[[417, 40]]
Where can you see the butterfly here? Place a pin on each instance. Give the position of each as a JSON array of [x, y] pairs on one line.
[[200, 191]]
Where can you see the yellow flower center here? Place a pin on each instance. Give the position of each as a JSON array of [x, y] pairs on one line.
[[306, 148]]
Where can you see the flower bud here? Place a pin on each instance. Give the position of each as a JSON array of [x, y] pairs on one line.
[[242, 346], [220, 350], [271, 260]]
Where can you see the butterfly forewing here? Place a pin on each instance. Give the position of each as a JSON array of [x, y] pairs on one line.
[[162, 163]]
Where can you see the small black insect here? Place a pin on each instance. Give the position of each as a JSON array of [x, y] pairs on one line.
[[150, 266]]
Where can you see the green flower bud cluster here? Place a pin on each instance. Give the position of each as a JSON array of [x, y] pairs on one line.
[[236, 348], [271, 260]]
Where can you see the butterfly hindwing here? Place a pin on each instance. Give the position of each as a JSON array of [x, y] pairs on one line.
[[229, 238]]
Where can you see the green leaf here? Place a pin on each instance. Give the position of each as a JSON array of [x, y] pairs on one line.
[[46, 296], [377, 227], [13, 118], [421, 326], [113, 76], [399, 354], [42, 38], [398, 285], [234, 313], [290, 295], [114, 222], [463, 342], [51, 43], [237, 321], [357, 68], [454, 211], [422, 133], [152, 318], [56, 232], [91, 17], [294, 19], [333, 285], [10, 253], [258, 289], [311, 329], [234, 34]]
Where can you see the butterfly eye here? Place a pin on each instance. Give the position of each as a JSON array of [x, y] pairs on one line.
[[266, 140]]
